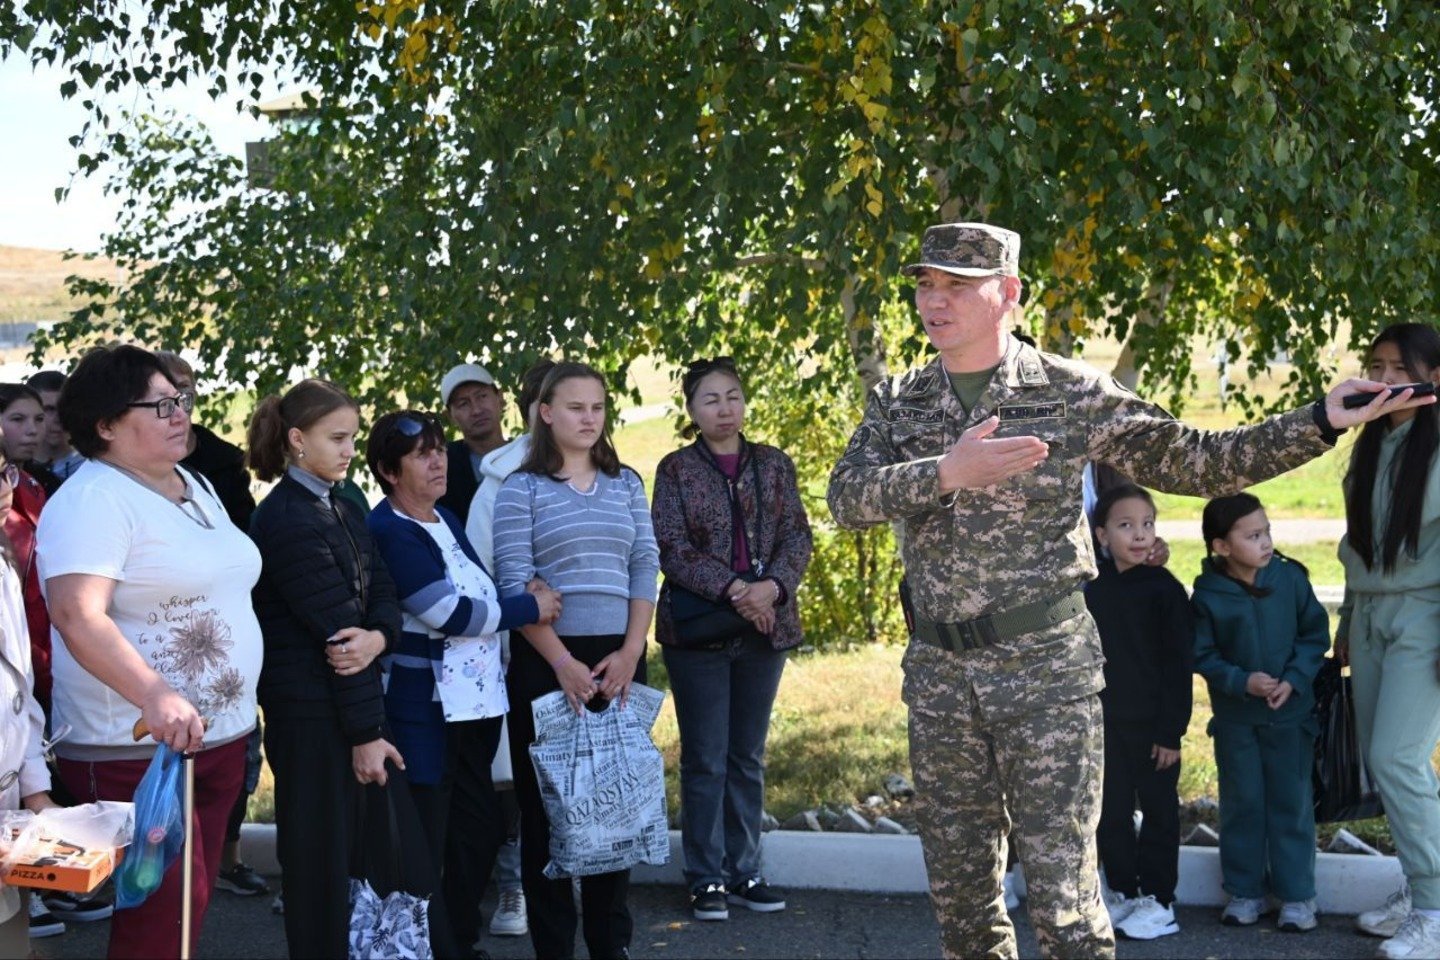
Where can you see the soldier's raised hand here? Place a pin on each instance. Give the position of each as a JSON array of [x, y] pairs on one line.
[[1382, 404], [978, 460]]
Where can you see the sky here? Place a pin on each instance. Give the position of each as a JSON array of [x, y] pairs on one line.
[[36, 157]]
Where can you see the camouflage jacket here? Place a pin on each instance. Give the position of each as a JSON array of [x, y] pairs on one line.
[[978, 552]]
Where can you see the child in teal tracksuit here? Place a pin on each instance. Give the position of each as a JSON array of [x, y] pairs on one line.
[[1260, 637]]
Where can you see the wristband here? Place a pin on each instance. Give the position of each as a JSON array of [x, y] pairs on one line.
[[559, 662], [1321, 419]]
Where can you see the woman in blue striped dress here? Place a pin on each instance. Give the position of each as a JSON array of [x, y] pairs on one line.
[[573, 517]]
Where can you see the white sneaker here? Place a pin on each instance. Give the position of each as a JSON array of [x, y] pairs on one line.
[[1012, 899], [1118, 905], [1417, 939], [1384, 920], [1297, 916], [509, 919], [1242, 911], [1147, 919]]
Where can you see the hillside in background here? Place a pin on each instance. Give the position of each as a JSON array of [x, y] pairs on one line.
[[32, 282]]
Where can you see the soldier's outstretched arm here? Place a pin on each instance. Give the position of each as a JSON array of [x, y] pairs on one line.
[[1156, 450]]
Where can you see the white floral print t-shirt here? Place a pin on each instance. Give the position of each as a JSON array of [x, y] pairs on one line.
[[183, 575]]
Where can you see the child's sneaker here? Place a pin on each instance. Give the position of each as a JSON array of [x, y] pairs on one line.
[[99, 905], [1118, 905], [1242, 911], [1417, 939], [1147, 920], [707, 902], [1297, 916], [756, 894], [1384, 920]]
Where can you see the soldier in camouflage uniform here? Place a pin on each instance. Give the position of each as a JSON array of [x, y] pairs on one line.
[[1004, 666]]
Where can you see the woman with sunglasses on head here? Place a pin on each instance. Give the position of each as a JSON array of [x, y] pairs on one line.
[[148, 585], [20, 435], [733, 532], [446, 696], [328, 610], [576, 519]]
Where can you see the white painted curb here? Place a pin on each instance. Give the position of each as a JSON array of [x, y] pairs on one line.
[[1345, 883]]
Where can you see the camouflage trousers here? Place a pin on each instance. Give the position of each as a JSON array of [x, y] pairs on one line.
[[1041, 769]]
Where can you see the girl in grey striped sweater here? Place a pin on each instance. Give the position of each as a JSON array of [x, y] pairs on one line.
[[575, 518]]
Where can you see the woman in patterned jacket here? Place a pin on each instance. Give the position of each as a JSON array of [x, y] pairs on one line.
[[732, 531]]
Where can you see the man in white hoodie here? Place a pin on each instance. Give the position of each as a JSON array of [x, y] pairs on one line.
[[499, 463], [509, 919]]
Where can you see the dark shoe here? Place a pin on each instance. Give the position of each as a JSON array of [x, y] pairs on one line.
[[43, 923], [242, 881], [756, 894], [81, 907], [708, 902]]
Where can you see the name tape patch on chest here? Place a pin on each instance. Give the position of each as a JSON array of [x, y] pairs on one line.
[[1048, 410]]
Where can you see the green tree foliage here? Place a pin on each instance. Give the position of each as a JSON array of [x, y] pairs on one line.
[[616, 179]]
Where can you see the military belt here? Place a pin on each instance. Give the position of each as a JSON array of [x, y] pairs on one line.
[[991, 629]]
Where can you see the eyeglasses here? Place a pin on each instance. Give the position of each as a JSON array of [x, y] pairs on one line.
[[165, 406], [10, 473]]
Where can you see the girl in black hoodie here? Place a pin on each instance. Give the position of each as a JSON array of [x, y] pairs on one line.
[[1145, 628]]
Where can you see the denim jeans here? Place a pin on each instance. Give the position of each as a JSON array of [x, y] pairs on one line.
[[723, 700]]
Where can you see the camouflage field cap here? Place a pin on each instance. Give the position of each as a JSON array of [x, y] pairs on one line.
[[969, 250]]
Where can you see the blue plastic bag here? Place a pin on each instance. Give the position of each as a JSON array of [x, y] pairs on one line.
[[159, 830]]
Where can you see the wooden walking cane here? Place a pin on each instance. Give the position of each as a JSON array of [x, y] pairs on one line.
[[187, 867]]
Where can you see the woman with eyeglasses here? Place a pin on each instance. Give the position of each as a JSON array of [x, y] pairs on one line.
[[446, 697], [572, 516], [148, 584], [18, 404], [328, 610], [733, 536]]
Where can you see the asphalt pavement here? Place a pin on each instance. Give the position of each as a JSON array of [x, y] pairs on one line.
[[818, 923]]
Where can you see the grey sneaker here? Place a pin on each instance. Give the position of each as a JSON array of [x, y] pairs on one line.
[[1297, 916], [509, 919], [1242, 911], [1417, 939], [1385, 919]]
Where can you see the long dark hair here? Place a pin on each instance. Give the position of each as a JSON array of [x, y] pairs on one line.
[[1419, 346], [544, 456]]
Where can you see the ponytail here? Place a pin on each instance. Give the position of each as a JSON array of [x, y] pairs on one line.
[[268, 437]]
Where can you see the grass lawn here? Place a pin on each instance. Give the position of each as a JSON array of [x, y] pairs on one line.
[[839, 727], [1319, 557]]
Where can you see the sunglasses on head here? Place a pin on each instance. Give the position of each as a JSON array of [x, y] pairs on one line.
[[411, 425], [712, 363]]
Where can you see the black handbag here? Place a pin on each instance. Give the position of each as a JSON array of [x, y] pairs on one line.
[[1344, 788], [700, 622], [705, 624]]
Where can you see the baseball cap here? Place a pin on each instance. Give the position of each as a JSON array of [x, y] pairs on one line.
[[968, 250], [461, 374]]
